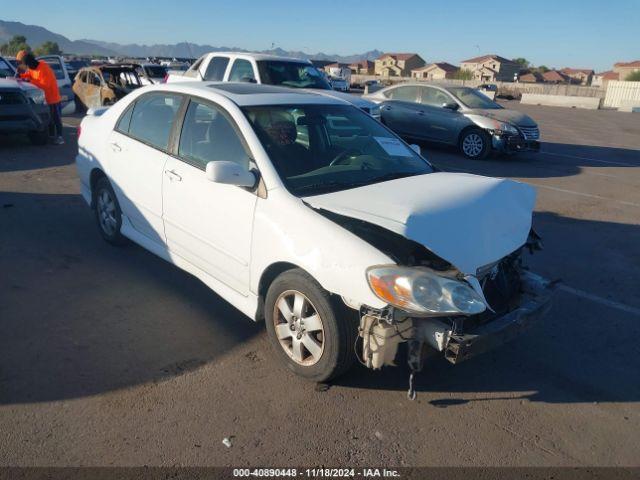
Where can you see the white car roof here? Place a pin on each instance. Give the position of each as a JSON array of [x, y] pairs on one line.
[[260, 56], [249, 94]]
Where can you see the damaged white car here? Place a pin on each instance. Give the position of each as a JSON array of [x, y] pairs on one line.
[[302, 210]]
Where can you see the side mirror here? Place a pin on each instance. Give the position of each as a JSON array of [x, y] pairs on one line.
[[230, 173], [453, 106], [416, 148]]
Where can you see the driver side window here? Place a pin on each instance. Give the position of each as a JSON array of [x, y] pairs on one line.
[[434, 97], [404, 94], [209, 136]]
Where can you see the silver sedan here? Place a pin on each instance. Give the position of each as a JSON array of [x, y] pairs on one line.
[[453, 115]]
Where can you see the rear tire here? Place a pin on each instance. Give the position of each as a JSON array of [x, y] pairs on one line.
[[108, 213], [311, 332], [475, 144]]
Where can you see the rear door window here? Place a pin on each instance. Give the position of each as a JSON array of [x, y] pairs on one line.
[[216, 68], [242, 71], [153, 117], [405, 94]]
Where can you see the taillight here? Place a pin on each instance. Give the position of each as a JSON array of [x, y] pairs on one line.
[[166, 77], [79, 130]]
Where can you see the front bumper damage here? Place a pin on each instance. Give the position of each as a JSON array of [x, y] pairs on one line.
[[513, 144], [382, 336]]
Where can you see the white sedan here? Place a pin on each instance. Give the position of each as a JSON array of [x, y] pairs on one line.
[[304, 211]]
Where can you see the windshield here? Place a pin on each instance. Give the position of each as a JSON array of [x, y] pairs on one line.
[[155, 71], [325, 148], [291, 74], [472, 98], [6, 70]]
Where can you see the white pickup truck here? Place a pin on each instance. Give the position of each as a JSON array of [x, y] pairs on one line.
[[269, 70]]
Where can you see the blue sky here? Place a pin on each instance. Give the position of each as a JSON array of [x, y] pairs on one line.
[[577, 33]]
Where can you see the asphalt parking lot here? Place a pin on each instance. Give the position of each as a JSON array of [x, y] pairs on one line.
[[113, 357]]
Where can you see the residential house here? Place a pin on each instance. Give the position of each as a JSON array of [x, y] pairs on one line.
[[623, 69], [435, 71], [531, 77], [491, 68], [398, 64], [580, 76], [555, 76], [601, 79], [363, 67]]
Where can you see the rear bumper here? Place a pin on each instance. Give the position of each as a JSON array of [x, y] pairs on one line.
[[536, 302], [514, 144]]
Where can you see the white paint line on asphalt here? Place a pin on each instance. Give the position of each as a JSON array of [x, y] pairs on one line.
[[594, 298], [625, 164], [582, 194], [600, 300]]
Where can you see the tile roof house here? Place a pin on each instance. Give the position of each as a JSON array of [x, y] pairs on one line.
[[397, 64], [582, 76], [625, 68], [531, 77], [362, 67], [491, 68], [555, 76], [601, 79], [435, 71]]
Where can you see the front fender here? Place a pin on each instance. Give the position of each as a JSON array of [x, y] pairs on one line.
[[287, 230]]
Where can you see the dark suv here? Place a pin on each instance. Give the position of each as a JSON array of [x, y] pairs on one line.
[[22, 107]]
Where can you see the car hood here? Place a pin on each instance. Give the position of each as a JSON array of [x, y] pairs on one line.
[[504, 115], [353, 99], [16, 83], [468, 220]]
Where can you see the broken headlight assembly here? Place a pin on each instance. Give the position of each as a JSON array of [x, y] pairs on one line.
[[501, 128], [423, 292]]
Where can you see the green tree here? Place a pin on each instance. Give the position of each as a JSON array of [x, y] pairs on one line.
[[543, 68], [48, 48], [523, 62], [462, 74], [13, 46], [633, 76]]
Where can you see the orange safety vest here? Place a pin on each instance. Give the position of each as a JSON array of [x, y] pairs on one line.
[[44, 78]]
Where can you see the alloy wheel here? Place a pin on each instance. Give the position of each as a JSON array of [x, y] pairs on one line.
[[472, 145], [298, 327]]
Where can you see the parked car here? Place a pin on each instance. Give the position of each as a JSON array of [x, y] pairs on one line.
[[104, 85], [454, 115], [151, 73], [339, 84], [302, 210], [269, 70], [22, 107]]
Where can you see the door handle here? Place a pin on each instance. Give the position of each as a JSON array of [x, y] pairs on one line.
[[115, 147], [173, 175]]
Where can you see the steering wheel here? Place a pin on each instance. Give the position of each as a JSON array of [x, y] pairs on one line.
[[338, 160]]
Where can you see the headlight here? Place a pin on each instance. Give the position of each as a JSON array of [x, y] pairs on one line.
[[505, 128], [422, 291], [375, 111], [35, 95]]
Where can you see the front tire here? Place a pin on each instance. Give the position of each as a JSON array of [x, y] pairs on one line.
[[310, 331], [108, 213], [475, 144]]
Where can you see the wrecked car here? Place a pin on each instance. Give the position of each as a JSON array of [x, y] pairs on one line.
[[305, 212], [458, 116], [104, 85]]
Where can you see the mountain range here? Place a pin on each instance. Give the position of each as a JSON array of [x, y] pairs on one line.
[[37, 35]]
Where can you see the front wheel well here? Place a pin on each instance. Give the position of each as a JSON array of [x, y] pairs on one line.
[[467, 128], [266, 279]]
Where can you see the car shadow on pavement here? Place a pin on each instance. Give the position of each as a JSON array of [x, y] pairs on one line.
[[80, 317], [554, 160], [18, 154], [582, 351]]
